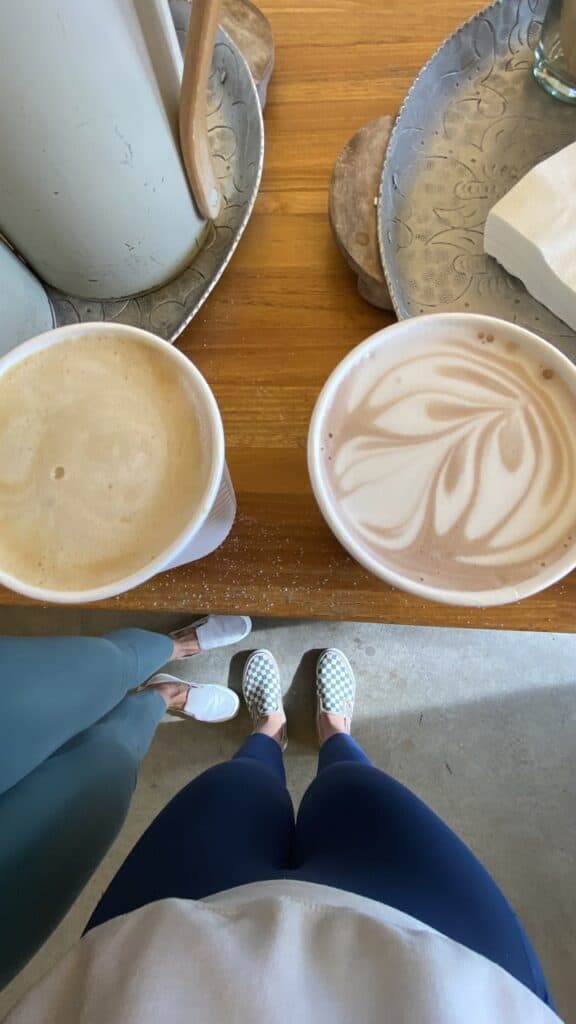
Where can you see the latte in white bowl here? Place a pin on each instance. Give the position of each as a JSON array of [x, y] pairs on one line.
[[111, 458]]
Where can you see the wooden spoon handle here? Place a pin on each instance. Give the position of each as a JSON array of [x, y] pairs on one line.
[[193, 117], [568, 36]]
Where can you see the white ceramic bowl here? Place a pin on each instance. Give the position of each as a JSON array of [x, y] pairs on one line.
[[209, 415], [435, 327]]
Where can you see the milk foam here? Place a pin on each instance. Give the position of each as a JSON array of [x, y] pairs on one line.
[[454, 462], [102, 461]]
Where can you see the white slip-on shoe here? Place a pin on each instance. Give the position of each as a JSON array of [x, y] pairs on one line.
[[206, 702], [262, 689], [216, 631]]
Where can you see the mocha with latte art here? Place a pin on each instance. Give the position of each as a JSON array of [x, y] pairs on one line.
[[453, 463]]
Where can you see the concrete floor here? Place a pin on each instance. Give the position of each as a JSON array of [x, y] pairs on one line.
[[480, 724]]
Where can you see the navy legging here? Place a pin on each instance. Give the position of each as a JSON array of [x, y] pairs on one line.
[[357, 829]]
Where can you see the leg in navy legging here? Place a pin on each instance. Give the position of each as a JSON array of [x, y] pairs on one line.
[[232, 825], [359, 829]]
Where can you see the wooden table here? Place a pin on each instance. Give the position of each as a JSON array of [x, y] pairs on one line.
[[284, 315]]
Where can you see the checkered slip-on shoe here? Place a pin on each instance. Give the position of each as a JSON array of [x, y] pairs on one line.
[[335, 684], [261, 688]]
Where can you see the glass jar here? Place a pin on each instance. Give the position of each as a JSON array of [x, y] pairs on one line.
[[555, 55]]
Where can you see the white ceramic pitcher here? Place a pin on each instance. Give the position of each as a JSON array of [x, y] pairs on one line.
[[94, 193]]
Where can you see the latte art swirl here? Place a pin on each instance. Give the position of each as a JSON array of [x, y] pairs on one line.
[[455, 464]]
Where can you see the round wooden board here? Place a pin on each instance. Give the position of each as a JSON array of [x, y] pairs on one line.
[[251, 31], [353, 207]]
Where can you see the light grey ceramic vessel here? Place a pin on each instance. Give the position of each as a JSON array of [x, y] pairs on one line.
[[473, 123], [237, 136]]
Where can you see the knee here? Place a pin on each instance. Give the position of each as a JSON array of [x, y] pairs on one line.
[[350, 775], [105, 782], [126, 644], [105, 786], [112, 755], [126, 637], [66, 813], [142, 651], [105, 759], [245, 787], [350, 784], [241, 774], [25, 658]]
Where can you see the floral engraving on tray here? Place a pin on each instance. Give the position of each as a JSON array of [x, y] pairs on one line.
[[473, 123], [237, 140]]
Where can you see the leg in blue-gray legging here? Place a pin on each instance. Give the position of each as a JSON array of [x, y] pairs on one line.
[[52, 688], [71, 742]]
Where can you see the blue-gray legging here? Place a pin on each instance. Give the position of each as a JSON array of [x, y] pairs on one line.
[[71, 742], [70, 746]]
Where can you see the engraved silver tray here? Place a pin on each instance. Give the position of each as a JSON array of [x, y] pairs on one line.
[[237, 139], [473, 123]]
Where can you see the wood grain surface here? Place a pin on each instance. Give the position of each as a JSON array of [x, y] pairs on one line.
[[285, 313]]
